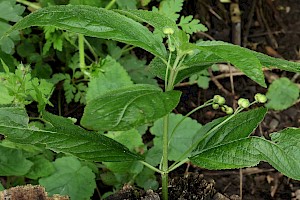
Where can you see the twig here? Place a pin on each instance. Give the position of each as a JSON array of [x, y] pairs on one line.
[[218, 84], [248, 25], [273, 41]]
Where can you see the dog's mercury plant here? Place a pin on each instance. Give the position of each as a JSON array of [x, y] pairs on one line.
[[224, 143]]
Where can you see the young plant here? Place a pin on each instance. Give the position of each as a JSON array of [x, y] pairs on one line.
[[225, 143]]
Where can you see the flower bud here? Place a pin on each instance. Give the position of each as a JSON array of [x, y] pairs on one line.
[[226, 109], [229, 111], [260, 98], [215, 106], [244, 103], [219, 100], [168, 31]]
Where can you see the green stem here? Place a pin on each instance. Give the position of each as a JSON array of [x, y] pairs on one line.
[[208, 103], [111, 3], [81, 51], [151, 167], [165, 166], [91, 50], [187, 152], [30, 4], [178, 165], [167, 70]]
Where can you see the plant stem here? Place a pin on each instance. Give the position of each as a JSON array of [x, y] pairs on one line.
[[81, 51], [30, 4], [111, 3], [207, 103], [91, 50], [187, 152], [151, 167], [165, 166]]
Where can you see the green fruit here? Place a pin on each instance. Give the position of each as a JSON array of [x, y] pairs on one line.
[[244, 103], [260, 98], [218, 99], [215, 106]]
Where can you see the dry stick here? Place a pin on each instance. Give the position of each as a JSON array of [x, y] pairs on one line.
[[271, 37], [235, 14], [218, 84], [248, 25], [236, 38]]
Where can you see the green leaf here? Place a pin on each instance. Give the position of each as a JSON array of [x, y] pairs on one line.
[[10, 11], [180, 141], [282, 94], [41, 167], [128, 107], [1, 187], [130, 138], [193, 64], [62, 136], [129, 4], [137, 70], [155, 19], [147, 179], [95, 22], [282, 153], [109, 76], [171, 8], [190, 25], [13, 162], [124, 172], [240, 57], [70, 178], [5, 97], [235, 128], [268, 61]]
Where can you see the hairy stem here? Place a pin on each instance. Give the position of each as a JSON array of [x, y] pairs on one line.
[[111, 3], [81, 52], [165, 166], [30, 4]]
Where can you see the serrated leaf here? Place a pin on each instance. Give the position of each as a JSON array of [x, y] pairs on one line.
[[246, 152], [282, 94], [41, 167], [62, 136], [180, 141], [10, 11], [128, 4], [6, 98], [237, 127], [128, 107], [13, 162], [270, 62], [171, 8], [190, 25], [125, 172], [155, 19], [70, 178], [240, 57], [137, 70], [95, 22], [111, 75]]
